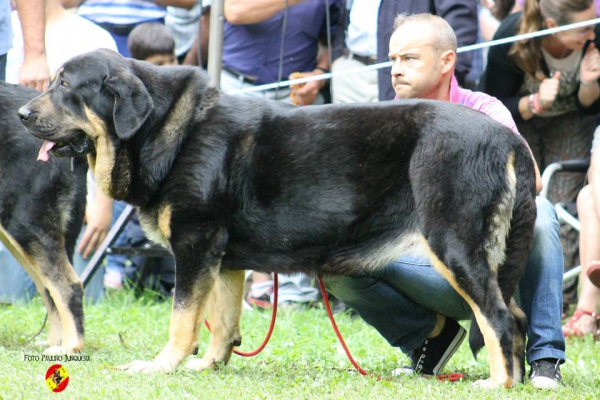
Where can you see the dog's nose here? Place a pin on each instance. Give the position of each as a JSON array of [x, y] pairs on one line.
[[24, 113]]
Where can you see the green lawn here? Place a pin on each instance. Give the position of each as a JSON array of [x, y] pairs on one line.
[[303, 360]]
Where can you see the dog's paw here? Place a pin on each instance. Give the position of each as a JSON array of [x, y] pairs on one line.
[[488, 384], [146, 367], [200, 364]]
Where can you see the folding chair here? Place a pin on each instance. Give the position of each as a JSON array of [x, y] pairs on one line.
[[567, 213]]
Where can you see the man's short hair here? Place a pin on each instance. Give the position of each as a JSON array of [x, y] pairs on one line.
[[149, 39], [445, 38]]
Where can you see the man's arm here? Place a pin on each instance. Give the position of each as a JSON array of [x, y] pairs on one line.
[[177, 3], [34, 72], [244, 12]]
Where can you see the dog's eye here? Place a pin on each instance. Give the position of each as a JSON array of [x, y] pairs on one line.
[[63, 83]]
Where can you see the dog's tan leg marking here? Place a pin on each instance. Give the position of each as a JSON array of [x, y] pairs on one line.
[[518, 344], [164, 222], [225, 311], [183, 330], [31, 267], [498, 367], [72, 340]]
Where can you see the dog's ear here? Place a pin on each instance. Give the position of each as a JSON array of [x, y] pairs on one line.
[[133, 103]]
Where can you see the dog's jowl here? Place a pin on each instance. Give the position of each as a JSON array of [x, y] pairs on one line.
[[230, 184]]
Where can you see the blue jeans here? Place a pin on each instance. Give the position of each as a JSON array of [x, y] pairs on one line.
[[401, 301], [3, 67]]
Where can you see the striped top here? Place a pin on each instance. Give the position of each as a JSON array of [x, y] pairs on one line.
[[121, 12]]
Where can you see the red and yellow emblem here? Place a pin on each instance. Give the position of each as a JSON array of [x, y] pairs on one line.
[[57, 378]]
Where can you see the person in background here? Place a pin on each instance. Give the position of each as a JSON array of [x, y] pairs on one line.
[[550, 85], [460, 14], [34, 71], [154, 43], [585, 320], [119, 17], [66, 35], [183, 24], [409, 303], [266, 41]]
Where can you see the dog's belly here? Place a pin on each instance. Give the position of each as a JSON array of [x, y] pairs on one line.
[[358, 258]]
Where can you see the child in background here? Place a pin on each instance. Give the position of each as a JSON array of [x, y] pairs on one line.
[[152, 42]]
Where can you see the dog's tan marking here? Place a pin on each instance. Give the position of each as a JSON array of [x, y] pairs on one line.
[[17, 251], [183, 328], [498, 364], [33, 270], [71, 340], [61, 322], [518, 344], [179, 117], [157, 225], [409, 243], [499, 223], [225, 310], [104, 161], [164, 221]]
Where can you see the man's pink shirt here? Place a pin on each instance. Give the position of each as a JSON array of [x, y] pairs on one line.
[[483, 102]]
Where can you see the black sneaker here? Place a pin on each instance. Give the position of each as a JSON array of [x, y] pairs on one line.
[[433, 354], [545, 374]]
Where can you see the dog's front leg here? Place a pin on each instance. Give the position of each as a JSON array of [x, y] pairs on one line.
[[225, 310], [197, 262]]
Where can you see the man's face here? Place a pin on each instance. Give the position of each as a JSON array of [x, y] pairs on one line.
[[416, 64]]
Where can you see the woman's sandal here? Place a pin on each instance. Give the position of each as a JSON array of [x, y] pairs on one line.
[[569, 330]]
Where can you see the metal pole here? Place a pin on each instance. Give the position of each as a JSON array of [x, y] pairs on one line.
[[215, 42]]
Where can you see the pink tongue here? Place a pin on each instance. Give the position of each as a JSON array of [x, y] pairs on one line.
[[43, 154]]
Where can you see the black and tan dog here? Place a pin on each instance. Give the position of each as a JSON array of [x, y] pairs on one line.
[[41, 211], [233, 183]]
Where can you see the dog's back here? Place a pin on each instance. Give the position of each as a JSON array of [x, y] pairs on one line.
[[326, 189]]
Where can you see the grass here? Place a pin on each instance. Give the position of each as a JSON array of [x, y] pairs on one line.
[[303, 360]]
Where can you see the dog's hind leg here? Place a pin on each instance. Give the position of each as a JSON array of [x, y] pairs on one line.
[[63, 295], [224, 310], [33, 265], [475, 281]]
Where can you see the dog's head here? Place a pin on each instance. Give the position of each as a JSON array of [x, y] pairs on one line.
[[91, 98]]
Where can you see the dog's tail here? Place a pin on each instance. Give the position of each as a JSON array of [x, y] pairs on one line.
[[508, 245]]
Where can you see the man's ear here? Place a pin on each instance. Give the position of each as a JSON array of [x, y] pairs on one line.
[[448, 61], [133, 103]]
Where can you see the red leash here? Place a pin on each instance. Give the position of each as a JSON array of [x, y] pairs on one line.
[[443, 377], [337, 331], [273, 317]]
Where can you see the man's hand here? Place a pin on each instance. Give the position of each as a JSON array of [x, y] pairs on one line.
[[98, 215], [549, 90], [589, 69], [305, 94], [34, 72]]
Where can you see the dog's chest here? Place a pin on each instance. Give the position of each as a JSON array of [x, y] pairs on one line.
[[157, 225]]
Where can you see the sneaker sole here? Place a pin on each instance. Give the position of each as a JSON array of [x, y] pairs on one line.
[[454, 345]]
